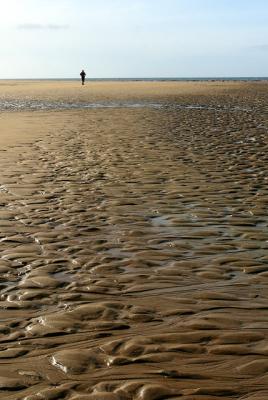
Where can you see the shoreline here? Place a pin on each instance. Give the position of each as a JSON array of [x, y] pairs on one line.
[[152, 79]]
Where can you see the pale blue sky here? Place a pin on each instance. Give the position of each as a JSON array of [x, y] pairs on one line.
[[133, 38]]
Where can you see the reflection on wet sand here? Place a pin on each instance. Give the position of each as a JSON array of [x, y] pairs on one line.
[[134, 254]]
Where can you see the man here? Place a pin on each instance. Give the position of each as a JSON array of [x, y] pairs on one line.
[[83, 75]]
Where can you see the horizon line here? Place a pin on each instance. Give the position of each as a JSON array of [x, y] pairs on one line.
[[144, 77]]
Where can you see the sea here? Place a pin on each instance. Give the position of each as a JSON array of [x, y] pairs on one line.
[[152, 79]]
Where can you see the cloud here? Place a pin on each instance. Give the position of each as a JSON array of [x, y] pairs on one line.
[[262, 47], [31, 26]]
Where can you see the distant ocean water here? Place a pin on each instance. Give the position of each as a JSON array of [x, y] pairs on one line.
[[180, 79], [152, 79]]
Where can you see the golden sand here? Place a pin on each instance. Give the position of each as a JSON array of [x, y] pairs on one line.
[[134, 260]]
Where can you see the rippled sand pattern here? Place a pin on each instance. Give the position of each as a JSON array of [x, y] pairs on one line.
[[134, 260]]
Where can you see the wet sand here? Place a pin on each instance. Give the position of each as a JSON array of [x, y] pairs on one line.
[[134, 243]]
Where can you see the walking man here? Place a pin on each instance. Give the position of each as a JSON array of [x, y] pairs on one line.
[[83, 76]]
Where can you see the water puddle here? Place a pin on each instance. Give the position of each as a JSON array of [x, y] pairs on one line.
[[40, 105]]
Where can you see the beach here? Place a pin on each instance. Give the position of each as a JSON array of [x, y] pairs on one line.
[[134, 240]]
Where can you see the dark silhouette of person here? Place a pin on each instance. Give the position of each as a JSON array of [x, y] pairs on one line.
[[83, 76]]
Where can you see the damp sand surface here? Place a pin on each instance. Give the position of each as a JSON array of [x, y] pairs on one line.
[[133, 242]]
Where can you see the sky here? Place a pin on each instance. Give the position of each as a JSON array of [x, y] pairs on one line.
[[133, 38]]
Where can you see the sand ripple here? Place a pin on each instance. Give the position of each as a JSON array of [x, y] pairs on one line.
[[134, 256]]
